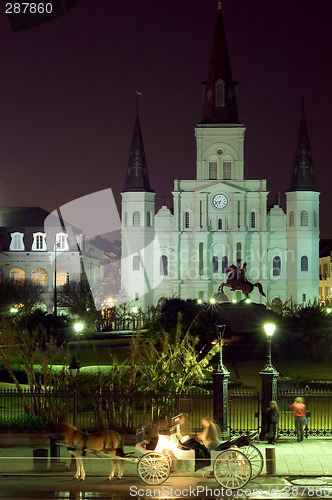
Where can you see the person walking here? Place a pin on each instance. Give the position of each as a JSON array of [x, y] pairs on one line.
[[299, 409], [272, 419]]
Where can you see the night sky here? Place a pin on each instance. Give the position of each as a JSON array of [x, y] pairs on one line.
[[68, 94]]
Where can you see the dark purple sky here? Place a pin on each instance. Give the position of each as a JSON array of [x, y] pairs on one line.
[[67, 94]]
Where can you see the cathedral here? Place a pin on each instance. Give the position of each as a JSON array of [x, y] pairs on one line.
[[220, 218]]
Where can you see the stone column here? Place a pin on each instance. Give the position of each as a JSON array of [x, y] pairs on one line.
[[269, 377]]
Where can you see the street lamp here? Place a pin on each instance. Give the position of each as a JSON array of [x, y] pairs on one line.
[[73, 369], [78, 327], [269, 330], [220, 386]]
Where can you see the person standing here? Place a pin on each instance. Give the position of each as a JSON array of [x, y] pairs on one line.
[[299, 409], [272, 419]]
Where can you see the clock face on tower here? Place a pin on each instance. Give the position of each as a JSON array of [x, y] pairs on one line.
[[219, 201]]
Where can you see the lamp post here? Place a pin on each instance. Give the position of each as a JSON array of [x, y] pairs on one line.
[[73, 369], [269, 377], [78, 327], [220, 386]]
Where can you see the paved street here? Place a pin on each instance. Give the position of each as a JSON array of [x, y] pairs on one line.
[[302, 470]]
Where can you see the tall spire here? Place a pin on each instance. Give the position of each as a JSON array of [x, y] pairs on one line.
[[303, 177], [137, 177], [220, 92]]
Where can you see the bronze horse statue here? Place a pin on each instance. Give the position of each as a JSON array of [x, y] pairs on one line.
[[240, 283]]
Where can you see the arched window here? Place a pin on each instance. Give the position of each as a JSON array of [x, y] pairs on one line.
[[304, 263], [227, 168], [276, 266], [62, 277], [62, 241], [215, 264], [252, 220], [148, 219], [220, 93], [39, 241], [17, 276], [186, 220], [224, 264], [16, 241], [163, 265], [291, 219], [125, 219], [238, 251], [304, 218], [219, 223], [136, 218], [39, 277], [315, 219], [213, 170], [136, 263]]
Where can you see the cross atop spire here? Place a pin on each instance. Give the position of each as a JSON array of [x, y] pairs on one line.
[[137, 177], [303, 177], [220, 92]]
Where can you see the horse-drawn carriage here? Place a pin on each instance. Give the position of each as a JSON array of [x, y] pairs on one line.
[[234, 462]]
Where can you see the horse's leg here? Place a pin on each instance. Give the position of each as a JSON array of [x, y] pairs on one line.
[[81, 467], [78, 472], [110, 477], [120, 464]]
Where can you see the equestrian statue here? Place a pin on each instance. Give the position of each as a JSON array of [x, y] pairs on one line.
[[237, 280]]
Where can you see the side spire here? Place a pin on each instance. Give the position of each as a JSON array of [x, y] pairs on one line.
[[303, 177], [220, 92], [137, 177]]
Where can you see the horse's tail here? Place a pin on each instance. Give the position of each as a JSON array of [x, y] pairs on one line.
[[260, 288], [119, 450]]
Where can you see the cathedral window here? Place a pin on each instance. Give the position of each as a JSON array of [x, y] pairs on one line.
[[276, 266], [304, 263], [125, 219], [39, 277], [39, 241], [224, 264], [252, 220], [17, 276], [136, 263], [215, 264], [213, 170], [238, 251], [291, 219], [62, 241], [62, 277], [163, 265], [315, 219], [304, 218], [148, 219], [136, 218], [220, 93], [219, 223], [16, 241], [201, 259], [227, 170], [186, 220]]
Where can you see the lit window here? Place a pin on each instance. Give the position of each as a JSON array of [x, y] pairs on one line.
[[276, 266], [291, 219], [61, 241], [304, 263], [17, 276], [163, 265], [148, 219], [186, 220], [39, 242], [227, 167], [224, 264], [62, 277], [213, 169], [136, 263], [304, 218], [136, 218], [215, 264], [16, 242], [220, 93], [252, 220], [39, 277], [219, 223]]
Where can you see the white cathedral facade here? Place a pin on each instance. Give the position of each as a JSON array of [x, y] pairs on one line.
[[220, 217]]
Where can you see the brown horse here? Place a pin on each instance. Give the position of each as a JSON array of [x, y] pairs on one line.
[[240, 284], [105, 442]]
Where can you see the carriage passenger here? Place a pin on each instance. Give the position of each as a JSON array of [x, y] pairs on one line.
[[209, 436]]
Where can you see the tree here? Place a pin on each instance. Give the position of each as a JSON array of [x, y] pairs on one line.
[[22, 295], [77, 297]]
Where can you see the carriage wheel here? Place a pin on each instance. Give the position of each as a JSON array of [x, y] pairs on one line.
[[232, 469], [256, 459], [153, 468]]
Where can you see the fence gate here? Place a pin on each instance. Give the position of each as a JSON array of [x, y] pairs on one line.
[[319, 411], [243, 411]]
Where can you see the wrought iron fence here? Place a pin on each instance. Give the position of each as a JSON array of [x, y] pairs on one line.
[[243, 411]]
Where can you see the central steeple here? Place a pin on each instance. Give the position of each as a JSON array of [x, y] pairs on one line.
[[220, 93]]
